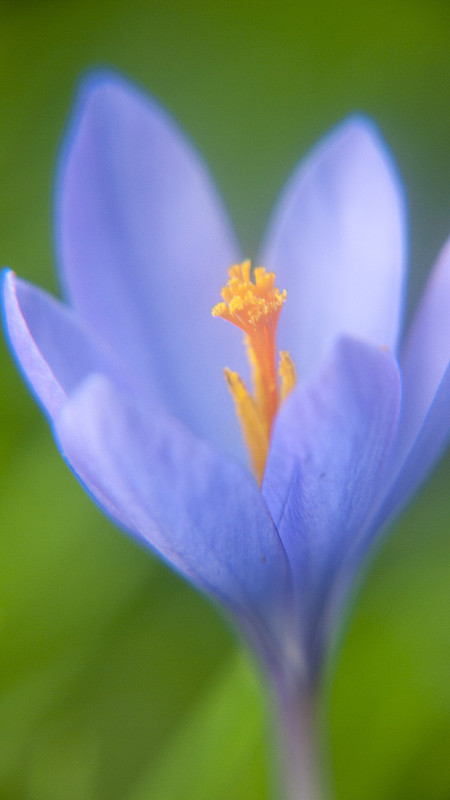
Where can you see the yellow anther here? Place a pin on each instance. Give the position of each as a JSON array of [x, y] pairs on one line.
[[287, 373], [255, 435], [254, 306]]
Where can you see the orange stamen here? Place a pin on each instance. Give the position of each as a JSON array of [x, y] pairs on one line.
[[254, 306]]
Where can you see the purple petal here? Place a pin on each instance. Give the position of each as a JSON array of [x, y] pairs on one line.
[[431, 442], [329, 448], [337, 244], [144, 248], [54, 350], [200, 510], [426, 353]]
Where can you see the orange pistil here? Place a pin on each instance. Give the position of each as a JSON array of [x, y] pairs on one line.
[[254, 306]]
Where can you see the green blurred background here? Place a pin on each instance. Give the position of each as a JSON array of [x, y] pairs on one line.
[[118, 682]]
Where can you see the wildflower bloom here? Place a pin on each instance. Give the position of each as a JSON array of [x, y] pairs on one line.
[[130, 375]]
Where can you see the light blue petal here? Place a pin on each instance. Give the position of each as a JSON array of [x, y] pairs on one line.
[[330, 445], [337, 244], [144, 247], [53, 348], [432, 440], [426, 353], [201, 511]]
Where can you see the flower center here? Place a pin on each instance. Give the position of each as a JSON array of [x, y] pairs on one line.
[[254, 306]]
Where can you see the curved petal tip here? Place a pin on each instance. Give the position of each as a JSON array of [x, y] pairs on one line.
[[337, 242]]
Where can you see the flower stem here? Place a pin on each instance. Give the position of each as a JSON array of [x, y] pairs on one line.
[[298, 744]]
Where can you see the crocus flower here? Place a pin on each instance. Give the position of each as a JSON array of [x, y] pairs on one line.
[[130, 372]]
